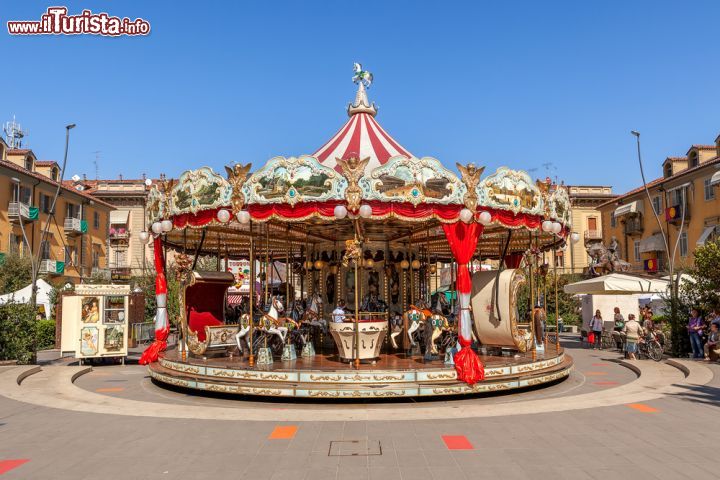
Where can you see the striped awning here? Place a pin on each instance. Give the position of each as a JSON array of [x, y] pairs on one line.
[[119, 217], [234, 299], [706, 235], [715, 179]]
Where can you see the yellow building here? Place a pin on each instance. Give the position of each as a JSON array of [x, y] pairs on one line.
[[686, 201], [76, 244]]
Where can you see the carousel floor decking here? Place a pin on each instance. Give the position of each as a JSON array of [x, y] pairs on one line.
[[325, 376]]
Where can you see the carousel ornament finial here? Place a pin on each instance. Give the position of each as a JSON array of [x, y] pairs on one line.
[[471, 178], [364, 79], [237, 174]]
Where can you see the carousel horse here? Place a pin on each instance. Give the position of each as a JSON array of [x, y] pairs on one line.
[[539, 318], [439, 325], [414, 317], [244, 330], [272, 322], [440, 303], [311, 316]]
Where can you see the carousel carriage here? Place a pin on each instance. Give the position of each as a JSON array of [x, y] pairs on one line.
[[364, 222]]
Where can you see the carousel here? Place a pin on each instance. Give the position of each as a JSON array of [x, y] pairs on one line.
[[362, 277]]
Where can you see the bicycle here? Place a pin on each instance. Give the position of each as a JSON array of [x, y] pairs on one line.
[[649, 347]]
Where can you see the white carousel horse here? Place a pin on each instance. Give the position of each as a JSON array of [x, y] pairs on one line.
[[244, 330], [272, 323], [415, 317], [312, 312]]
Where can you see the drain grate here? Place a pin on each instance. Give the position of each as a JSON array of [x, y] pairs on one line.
[[357, 448]]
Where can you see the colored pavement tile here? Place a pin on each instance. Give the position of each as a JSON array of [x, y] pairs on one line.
[[7, 465], [599, 364], [283, 432], [457, 442], [109, 390], [641, 407], [595, 374]]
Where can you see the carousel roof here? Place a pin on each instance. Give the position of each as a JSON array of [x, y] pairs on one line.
[[361, 137]]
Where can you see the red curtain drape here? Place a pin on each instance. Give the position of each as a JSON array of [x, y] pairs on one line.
[[463, 238], [513, 260], [162, 327]]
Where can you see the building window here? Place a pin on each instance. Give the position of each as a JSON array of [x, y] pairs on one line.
[[709, 190], [96, 220], [15, 244], [613, 220], [560, 259], [96, 256], [28, 163], [45, 250], [657, 204], [69, 255], [72, 211], [636, 249], [55, 174], [683, 244], [45, 202]]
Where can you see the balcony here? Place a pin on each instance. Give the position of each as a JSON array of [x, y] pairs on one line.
[[75, 226], [51, 267], [22, 211], [634, 225], [592, 236], [118, 233]]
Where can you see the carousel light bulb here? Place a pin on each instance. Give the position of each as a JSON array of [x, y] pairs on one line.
[[547, 226], [556, 227], [404, 264], [415, 264], [166, 225], [223, 215], [365, 211], [319, 264], [333, 269], [574, 237], [243, 217], [466, 215], [485, 218], [433, 269], [144, 236], [157, 228], [308, 264], [340, 212], [369, 263]]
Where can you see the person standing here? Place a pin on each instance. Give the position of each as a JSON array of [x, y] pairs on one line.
[[695, 331], [596, 325], [618, 328], [633, 332]]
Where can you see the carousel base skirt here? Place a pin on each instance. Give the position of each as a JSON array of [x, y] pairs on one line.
[[328, 377]]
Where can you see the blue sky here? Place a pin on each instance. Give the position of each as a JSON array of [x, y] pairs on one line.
[[521, 84]]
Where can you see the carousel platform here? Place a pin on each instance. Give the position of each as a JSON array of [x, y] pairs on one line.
[[326, 377]]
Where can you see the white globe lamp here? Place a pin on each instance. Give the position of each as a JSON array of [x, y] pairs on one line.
[[223, 216], [156, 228], [365, 211], [166, 225], [340, 212], [485, 218], [466, 215]]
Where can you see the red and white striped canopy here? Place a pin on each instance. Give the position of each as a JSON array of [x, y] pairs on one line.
[[362, 136]]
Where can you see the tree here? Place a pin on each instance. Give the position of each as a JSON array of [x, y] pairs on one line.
[[15, 273], [704, 291]]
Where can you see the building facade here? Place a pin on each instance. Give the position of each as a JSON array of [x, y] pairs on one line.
[[76, 243], [684, 198], [127, 254]]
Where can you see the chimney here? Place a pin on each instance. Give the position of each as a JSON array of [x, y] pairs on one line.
[[144, 177], [84, 178], [120, 176]]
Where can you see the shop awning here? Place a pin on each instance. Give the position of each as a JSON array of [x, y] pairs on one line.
[[684, 185], [119, 217], [715, 179], [628, 208], [653, 243], [706, 234]]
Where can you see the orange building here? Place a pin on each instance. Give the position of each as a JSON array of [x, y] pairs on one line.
[[77, 241], [686, 201]]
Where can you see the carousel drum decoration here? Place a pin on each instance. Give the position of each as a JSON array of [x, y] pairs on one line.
[[506, 330]]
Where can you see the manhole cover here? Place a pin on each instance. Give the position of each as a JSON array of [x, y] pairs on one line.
[[349, 448]]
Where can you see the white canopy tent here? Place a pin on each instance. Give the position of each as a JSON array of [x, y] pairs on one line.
[[618, 284], [23, 295]]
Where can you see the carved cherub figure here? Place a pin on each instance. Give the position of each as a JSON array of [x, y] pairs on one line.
[[353, 169], [471, 178], [237, 175]]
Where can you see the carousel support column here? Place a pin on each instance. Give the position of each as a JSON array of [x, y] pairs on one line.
[[253, 293], [267, 260], [357, 311], [557, 307], [218, 254], [545, 302], [289, 352]]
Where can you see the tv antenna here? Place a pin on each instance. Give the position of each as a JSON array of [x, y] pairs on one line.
[[95, 162], [14, 134]]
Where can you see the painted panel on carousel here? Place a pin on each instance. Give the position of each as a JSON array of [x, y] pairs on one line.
[[293, 180], [413, 180], [200, 189], [512, 190], [157, 201], [559, 205]]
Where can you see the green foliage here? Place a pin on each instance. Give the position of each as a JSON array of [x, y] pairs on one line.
[[45, 334], [147, 284], [568, 306], [15, 273], [18, 330], [705, 291]]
